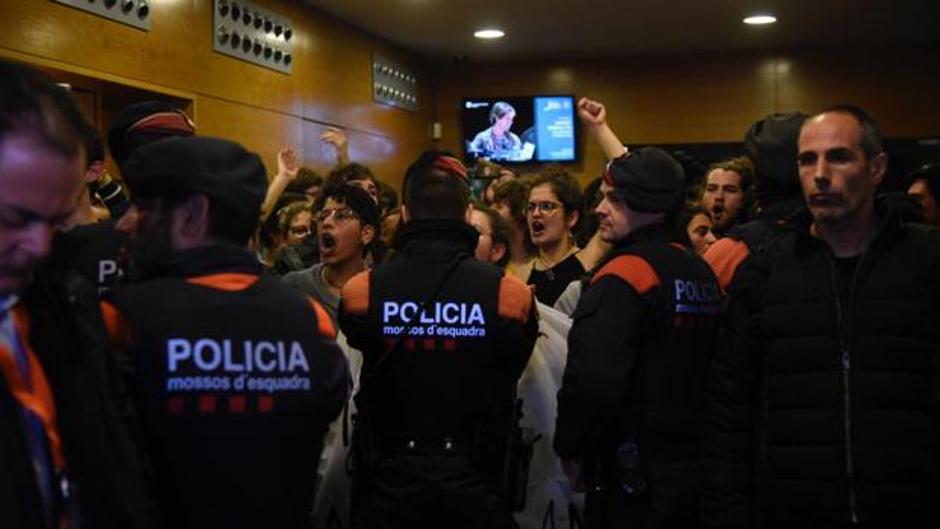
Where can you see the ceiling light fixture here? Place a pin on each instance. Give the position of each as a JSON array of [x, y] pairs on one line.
[[760, 20], [489, 34]]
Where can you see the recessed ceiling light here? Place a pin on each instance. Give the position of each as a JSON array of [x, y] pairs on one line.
[[489, 34], [760, 20]]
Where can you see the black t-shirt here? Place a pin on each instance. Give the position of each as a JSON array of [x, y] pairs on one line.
[[845, 274], [549, 284]]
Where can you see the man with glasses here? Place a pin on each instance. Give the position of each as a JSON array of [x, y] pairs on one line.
[[237, 376], [347, 224]]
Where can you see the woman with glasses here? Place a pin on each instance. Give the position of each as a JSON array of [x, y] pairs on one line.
[[295, 222], [553, 212], [295, 236]]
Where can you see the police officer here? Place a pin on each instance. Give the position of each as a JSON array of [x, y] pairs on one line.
[[237, 375], [444, 339], [631, 393]]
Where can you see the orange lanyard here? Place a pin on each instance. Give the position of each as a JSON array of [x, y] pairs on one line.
[[35, 396]]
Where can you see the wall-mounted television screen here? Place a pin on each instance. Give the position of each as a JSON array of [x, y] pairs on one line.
[[520, 129]]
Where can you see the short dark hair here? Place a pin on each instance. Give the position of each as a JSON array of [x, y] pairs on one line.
[[930, 174], [388, 197], [871, 142], [514, 193], [306, 178], [355, 199], [32, 104], [351, 172], [679, 225], [433, 192], [592, 197], [565, 187], [500, 231]]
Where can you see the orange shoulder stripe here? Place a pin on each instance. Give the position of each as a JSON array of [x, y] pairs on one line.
[[228, 282], [355, 294], [324, 323], [723, 257], [118, 329], [632, 269], [515, 299]]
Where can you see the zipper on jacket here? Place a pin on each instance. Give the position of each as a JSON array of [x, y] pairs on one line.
[[844, 320]]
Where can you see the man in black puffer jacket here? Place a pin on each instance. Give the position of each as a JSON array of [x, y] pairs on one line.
[[822, 409]]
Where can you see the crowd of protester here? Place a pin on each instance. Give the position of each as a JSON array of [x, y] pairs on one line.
[[765, 355]]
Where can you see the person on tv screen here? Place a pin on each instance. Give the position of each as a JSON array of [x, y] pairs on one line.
[[498, 142]]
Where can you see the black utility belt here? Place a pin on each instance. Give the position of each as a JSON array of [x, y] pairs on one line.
[[441, 446]]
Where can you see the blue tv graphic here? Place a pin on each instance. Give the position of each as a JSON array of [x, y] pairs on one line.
[[554, 125]]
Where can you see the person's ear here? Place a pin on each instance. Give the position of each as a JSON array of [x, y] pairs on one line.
[[405, 215], [468, 215], [571, 220], [367, 235], [191, 220], [497, 252], [879, 166]]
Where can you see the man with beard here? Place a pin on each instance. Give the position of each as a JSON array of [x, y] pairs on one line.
[[822, 407], [347, 223], [444, 339], [771, 147], [66, 456], [638, 351], [237, 376], [726, 195]]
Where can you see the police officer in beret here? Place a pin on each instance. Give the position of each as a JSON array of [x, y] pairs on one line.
[[631, 394], [444, 339], [236, 376]]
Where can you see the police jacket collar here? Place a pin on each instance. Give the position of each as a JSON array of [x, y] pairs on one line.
[[652, 233], [213, 259], [438, 238]]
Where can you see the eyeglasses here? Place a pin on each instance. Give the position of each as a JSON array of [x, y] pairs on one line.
[[300, 231], [547, 207], [339, 215]]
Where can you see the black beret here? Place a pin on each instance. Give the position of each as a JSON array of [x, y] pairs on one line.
[[648, 179], [224, 171], [144, 122], [771, 144]]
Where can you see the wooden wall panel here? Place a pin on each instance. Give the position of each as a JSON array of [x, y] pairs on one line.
[[330, 84], [262, 131], [899, 87], [387, 156]]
